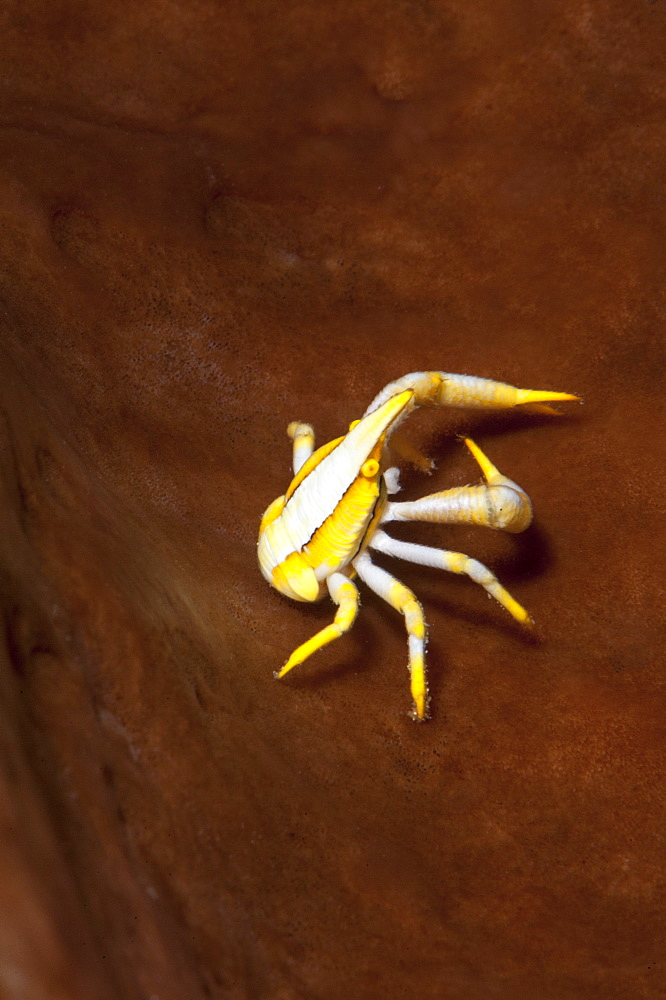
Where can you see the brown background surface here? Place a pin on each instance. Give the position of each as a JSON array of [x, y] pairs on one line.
[[217, 218]]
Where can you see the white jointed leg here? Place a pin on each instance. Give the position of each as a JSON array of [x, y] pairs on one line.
[[345, 595], [303, 437], [453, 562], [446, 389], [403, 600], [501, 504]]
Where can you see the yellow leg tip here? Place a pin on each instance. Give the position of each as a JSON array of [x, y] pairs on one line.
[[419, 689], [537, 402], [490, 472], [515, 609], [524, 617], [536, 396], [420, 711], [568, 397], [292, 662]]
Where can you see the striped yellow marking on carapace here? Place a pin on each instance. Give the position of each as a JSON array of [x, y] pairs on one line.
[[320, 486], [311, 463], [338, 539], [272, 512]]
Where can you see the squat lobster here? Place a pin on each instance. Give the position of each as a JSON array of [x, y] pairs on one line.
[[318, 534]]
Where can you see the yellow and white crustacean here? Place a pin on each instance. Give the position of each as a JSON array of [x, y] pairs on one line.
[[318, 535]]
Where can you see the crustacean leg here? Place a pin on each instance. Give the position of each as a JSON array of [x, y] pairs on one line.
[[498, 503], [345, 594], [303, 437], [447, 389], [403, 600], [453, 562]]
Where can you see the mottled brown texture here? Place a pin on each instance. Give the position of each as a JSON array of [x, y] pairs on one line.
[[215, 219]]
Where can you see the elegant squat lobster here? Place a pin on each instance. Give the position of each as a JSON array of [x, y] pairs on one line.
[[317, 535]]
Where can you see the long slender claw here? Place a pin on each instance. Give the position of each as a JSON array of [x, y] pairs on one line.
[[537, 396], [490, 472], [533, 401], [305, 650]]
